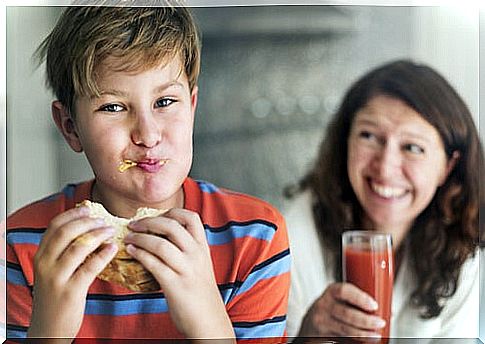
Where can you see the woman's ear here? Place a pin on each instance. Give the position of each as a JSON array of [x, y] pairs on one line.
[[66, 125], [450, 165]]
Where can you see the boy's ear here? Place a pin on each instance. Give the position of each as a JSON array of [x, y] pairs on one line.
[[66, 125], [193, 98]]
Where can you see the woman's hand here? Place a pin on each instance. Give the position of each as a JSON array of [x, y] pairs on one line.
[[342, 310], [173, 247], [63, 272]]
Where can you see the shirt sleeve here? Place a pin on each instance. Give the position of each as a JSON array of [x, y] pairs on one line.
[[258, 304]]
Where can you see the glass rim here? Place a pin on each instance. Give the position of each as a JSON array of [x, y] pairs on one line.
[[367, 233]]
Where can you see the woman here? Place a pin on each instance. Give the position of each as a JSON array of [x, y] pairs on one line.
[[401, 156]]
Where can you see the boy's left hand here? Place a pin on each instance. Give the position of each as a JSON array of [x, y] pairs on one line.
[[173, 247]]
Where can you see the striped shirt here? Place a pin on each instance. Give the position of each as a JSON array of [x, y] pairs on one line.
[[249, 250]]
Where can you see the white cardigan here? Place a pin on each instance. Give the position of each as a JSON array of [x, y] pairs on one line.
[[310, 275]]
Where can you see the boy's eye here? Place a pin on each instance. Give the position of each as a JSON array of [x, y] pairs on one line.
[[414, 148], [164, 102], [112, 108]]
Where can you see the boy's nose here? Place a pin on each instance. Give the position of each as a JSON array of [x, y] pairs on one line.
[[146, 131]]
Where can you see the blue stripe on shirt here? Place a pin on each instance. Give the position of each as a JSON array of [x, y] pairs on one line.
[[15, 276], [255, 230], [215, 236], [207, 187], [25, 236], [268, 328], [126, 307], [275, 268], [15, 331], [100, 304]]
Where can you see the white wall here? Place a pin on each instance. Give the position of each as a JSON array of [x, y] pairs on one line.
[[448, 39], [32, 167]]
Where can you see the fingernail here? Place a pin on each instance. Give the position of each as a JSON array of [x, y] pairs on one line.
[[129, 236], [373, 305], [130, 249], [133, 225], [380, 323]]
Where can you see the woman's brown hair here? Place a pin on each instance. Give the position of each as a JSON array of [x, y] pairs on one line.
[[447, 231]]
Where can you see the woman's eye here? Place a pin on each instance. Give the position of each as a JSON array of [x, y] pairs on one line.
[[367, 135], [164, 102], [413, 148], [111, 108]]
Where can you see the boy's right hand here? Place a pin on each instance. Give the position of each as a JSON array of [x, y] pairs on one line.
[[342, 310], [63, 272]]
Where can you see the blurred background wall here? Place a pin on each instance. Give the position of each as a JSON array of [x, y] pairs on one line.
[[271, 78]]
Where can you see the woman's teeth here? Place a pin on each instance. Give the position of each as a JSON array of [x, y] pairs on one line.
[[387, 191]]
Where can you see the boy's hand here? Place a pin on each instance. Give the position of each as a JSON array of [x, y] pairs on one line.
[[342, 310], [63, 272], [173, 247]]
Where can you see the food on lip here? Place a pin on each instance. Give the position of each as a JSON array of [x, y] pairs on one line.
[[126, 164]]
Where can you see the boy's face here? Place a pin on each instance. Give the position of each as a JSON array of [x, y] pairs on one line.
[[146, 117]]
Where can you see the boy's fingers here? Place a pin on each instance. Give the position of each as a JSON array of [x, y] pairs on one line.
[[191, 221], [64, 218], [160, 247], [53, 247], [94, 264], [75, 255], [162, 273], [347, 292], [166, 227]]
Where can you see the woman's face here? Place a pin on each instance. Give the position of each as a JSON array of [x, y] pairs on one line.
[[396, 161]]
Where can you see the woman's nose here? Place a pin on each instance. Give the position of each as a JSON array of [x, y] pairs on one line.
[[388, 161], [146, 131]]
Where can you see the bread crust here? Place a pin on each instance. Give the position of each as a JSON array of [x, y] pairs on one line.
[[123, 268]]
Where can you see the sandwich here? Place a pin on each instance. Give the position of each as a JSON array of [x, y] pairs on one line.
[[123, 268]]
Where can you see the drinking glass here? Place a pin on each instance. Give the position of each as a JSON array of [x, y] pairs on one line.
[[367, 262]]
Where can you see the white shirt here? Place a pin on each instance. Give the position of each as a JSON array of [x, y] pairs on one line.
[[310, 276]]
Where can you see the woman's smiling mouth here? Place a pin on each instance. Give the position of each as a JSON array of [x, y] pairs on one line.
[[387, 191]]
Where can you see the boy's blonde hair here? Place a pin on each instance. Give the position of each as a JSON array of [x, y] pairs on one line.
[[138, 38]]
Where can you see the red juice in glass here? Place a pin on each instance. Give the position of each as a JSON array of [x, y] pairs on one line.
[[367, 262]]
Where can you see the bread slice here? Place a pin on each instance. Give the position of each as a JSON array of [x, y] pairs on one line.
[[123, 269]]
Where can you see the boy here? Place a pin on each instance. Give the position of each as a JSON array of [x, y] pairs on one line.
[[125, 81]]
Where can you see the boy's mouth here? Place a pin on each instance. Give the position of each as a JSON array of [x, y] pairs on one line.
[[152, 165], [148, 165]]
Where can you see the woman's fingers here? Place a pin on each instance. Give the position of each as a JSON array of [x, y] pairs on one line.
[[335, 313], [356, 319], [349, 293]]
